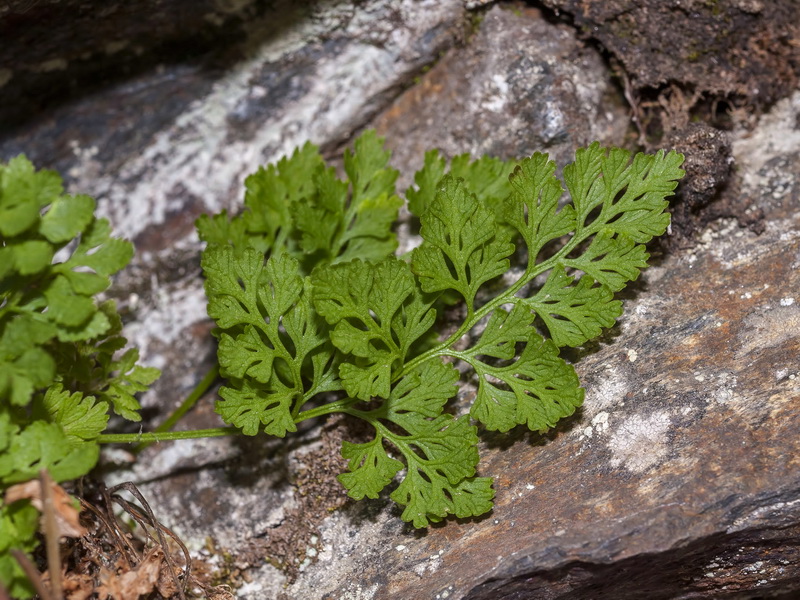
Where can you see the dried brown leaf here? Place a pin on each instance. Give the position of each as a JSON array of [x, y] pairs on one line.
[[78, 586], [135, 583], [66, 513]]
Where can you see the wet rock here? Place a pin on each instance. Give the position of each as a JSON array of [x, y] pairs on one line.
[[520, 86]]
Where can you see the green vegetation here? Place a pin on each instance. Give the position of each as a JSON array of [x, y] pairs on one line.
[[316, 315]]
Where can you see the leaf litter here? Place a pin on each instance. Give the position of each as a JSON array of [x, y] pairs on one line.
[[101, 555]]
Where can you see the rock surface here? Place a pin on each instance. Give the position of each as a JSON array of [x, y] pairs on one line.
[[722, 48], [176, 141], [679, 478], [522, 85]]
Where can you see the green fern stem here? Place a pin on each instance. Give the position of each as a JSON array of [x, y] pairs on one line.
[[138, 438], [326, 409], [533, 270], [197, 393]]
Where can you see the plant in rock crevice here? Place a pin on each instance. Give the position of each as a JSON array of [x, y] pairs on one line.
[[316, 315], [61, 370], [303, 333]]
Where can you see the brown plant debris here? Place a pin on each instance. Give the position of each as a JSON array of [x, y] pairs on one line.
[[65, 511], [101, 558]]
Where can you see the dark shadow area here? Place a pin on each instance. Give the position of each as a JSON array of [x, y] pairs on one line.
[[104, 77], [496, 440], [56, 52]]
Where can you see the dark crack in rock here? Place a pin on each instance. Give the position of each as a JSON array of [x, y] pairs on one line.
[[59, 50]]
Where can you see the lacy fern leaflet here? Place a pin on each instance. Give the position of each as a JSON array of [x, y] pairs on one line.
[[359, 336]]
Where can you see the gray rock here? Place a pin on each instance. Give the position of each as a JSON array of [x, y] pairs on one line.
[[522, 85], [679, 478]]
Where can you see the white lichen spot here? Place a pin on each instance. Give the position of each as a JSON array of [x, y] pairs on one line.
[[608, 392], [529, 486], [725, 395], [304, 564], [746, 296], [429, 566], [445, 593], [258, 91], [640, 442], [632, 355], [787, 301], [359, 593], [400, 547], [497, 101], [600, 422], [86, 158], [701, 378], [133, 301]]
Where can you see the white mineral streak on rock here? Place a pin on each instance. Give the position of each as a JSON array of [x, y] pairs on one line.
[[164, 322], [197, 155]]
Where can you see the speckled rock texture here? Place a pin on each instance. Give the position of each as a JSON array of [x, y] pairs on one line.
[[680, 476], [522, 85], [723, 48]]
